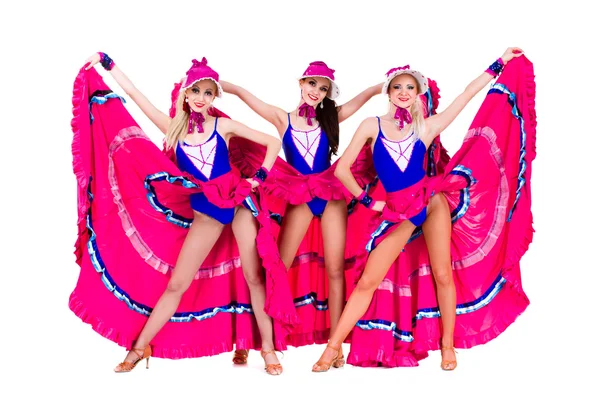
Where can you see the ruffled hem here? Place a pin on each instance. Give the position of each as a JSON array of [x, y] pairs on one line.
[[381, 358], [119, 338], [524, 236], [78, 308], [187, 351], [309, 338], [506, 308], [278, 293], [520, 246], [228, 196], [532, 120], [318, 185], [286, 183], [79, 169]]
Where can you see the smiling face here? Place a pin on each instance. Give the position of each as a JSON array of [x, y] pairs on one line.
[[201, 95], [314, 89], [403, 90]]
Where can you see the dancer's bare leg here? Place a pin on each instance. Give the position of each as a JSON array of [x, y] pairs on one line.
[[245, 230], [378, 264], [333, 226], [296, 221], [436, 230], [202, 236]]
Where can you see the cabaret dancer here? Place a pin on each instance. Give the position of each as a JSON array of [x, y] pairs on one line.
[[196, 139], [462, 214], [310, 137]]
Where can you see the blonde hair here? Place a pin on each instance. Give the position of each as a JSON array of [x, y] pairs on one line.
[[179, 124], [418, 119]]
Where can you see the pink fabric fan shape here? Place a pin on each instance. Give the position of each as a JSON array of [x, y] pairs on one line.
[[133, 215], [487, 186]]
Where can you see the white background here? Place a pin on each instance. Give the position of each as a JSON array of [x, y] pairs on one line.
[[51, 362]]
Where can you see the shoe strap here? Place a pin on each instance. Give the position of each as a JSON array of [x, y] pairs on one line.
[[143, 350], [264, 353]]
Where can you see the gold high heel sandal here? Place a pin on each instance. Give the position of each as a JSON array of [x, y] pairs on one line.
[[271, 369], [340, 361], [322, 366], [448, 365], [127, 366], [240, 357]]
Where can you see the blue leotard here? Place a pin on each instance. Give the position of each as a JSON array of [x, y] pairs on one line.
[[308, 153], [206, 161], [399, 164]]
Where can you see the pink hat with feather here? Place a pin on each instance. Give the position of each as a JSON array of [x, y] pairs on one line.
[[394, 72], [320, 69], [200, 71]]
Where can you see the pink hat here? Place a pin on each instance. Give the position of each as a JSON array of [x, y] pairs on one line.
[[320, 69], [394, 72], [198, 72]]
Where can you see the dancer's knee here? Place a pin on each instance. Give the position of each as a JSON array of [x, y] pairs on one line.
[[443, 276], [335, 273], [367, 283], [253, 276], [177, 286]]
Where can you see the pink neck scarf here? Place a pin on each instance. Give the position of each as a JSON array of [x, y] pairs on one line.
[[308, 112], [196, 119], [403, 116]]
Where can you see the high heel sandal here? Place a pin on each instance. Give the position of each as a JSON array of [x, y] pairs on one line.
[[340, 361], [448, 365], [271, 369], [127, 366], [323, 366], [240, 357]]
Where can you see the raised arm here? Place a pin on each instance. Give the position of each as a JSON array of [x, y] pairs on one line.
[[352, 106], [160, 119], [438, 123], [274, 115]]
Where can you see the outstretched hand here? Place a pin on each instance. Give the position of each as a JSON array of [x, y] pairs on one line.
[[92, 60], [511, 53]]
